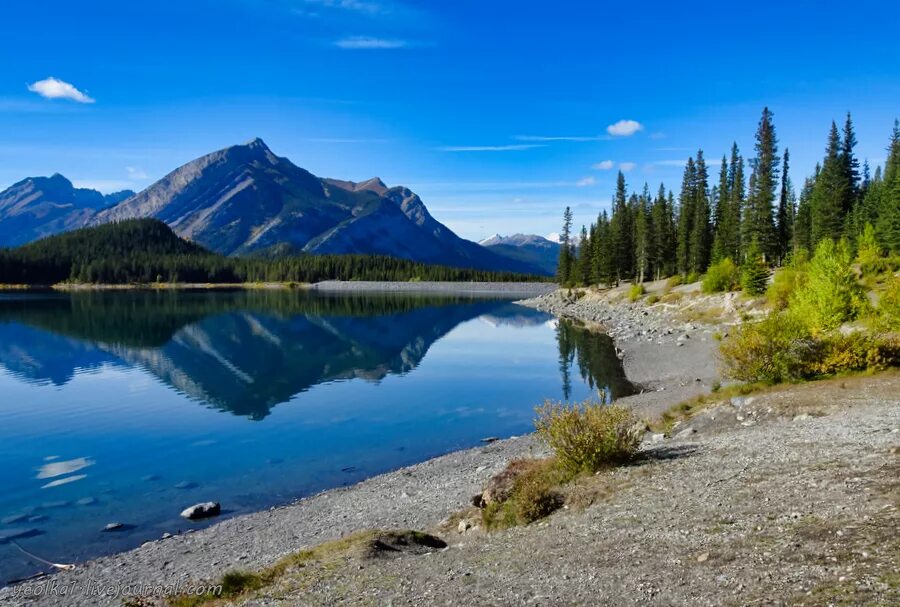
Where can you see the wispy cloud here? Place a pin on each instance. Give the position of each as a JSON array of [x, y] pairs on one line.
[[136, 174], [657, 135], [549, 138], [490, 148], [624, 128], [344, 140], [586, 182], [627, 166], [604, 165], [370, 43], [310, 7], [52, 88]]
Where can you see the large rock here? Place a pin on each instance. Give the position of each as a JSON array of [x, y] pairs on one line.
[[201, 511]]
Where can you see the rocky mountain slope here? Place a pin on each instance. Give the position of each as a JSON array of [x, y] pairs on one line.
[[243, 200], [41, 206]]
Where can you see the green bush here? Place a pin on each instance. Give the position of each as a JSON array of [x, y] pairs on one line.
[[781, 348], [673, 282], [887, 314], [721, 276], [652, 300], [831, 294], [755, 273], [588, 437], [772, 350], [635, 292], [692, 278], [787, 280], [868, 253], [534, 495]]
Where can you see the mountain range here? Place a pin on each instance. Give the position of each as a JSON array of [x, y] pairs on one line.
[[244, 200], [536, 251]]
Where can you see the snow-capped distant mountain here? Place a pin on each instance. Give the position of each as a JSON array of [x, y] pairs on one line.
[[553, 237], [528, 248]]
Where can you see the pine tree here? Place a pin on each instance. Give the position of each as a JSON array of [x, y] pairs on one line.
[[785, 219], [850, 165], [888, 226], [643, 237], [663, 235], [699, 240], [758, 222], [686, 216], [755, 272], [830, 193], [620, 227], [564, 267]]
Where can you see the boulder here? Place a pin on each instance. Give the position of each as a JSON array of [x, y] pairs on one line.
[[201, 511]]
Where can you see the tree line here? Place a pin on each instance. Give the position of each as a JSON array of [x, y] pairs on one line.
[[747, 219], [145, 251]]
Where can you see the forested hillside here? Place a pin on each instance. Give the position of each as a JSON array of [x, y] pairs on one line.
[[748, 217], [146, 251]]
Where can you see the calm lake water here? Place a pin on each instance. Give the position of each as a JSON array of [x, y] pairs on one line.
[[129, 407]]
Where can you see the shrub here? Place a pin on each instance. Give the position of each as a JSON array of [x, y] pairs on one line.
[[534, 494], [652, 300], [673, 282], [855, 352], [771, 351], [721, 276], [831, 294], [786, 281], [588, 437], [635, 292], [692, 277], [868, 253], [887, 315], [755, 273]]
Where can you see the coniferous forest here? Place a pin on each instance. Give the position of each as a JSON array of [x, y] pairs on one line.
[[144, 251], [749, 214]]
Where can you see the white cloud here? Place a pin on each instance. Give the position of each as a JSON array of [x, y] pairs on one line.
[[624, 128], [489, 148], [586, 182], [51, 88], [627, 166], [370, 43], [604, 165], [357, 6], [562, 138], [136, 174]]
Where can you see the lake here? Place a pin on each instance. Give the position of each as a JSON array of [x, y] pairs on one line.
[[126, 407]]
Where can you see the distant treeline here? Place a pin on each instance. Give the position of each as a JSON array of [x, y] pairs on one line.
[[757, 218], [144, 251]]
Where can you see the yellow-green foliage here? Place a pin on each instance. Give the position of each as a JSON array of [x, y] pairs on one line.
[[771, 350], [673, 282], [692, 277], [535, 494], [831, 294], [887, 314], [588, 437], [721, 276], [782, 348], [868, 254], [635, 292], [787, 280], [652, 300]]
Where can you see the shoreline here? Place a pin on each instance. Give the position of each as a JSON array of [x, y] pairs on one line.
[[502, 289], [417, 496]]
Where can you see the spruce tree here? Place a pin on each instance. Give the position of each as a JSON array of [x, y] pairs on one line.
[[699, 239], [620, 227], [755, 272], [758, 221], [686, 216], [830, 193], [850, 165], [564, 267], [888, 226], [785, 219]]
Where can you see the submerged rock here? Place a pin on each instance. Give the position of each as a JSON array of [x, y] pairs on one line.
[[201, 511]]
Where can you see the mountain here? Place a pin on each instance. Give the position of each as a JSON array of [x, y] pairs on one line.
[[244, 199], [530, 249], [40, 206]]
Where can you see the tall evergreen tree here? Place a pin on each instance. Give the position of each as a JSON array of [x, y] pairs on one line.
[[758, 221], [686, 216], [564, 267], [784, 223], [850, 165], [830, 193], [699, 238], [888, 225], [620, 227]]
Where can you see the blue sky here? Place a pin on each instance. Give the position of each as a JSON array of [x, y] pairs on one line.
[[496, 112]]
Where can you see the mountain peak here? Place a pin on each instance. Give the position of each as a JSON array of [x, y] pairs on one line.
[[257, 143]]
